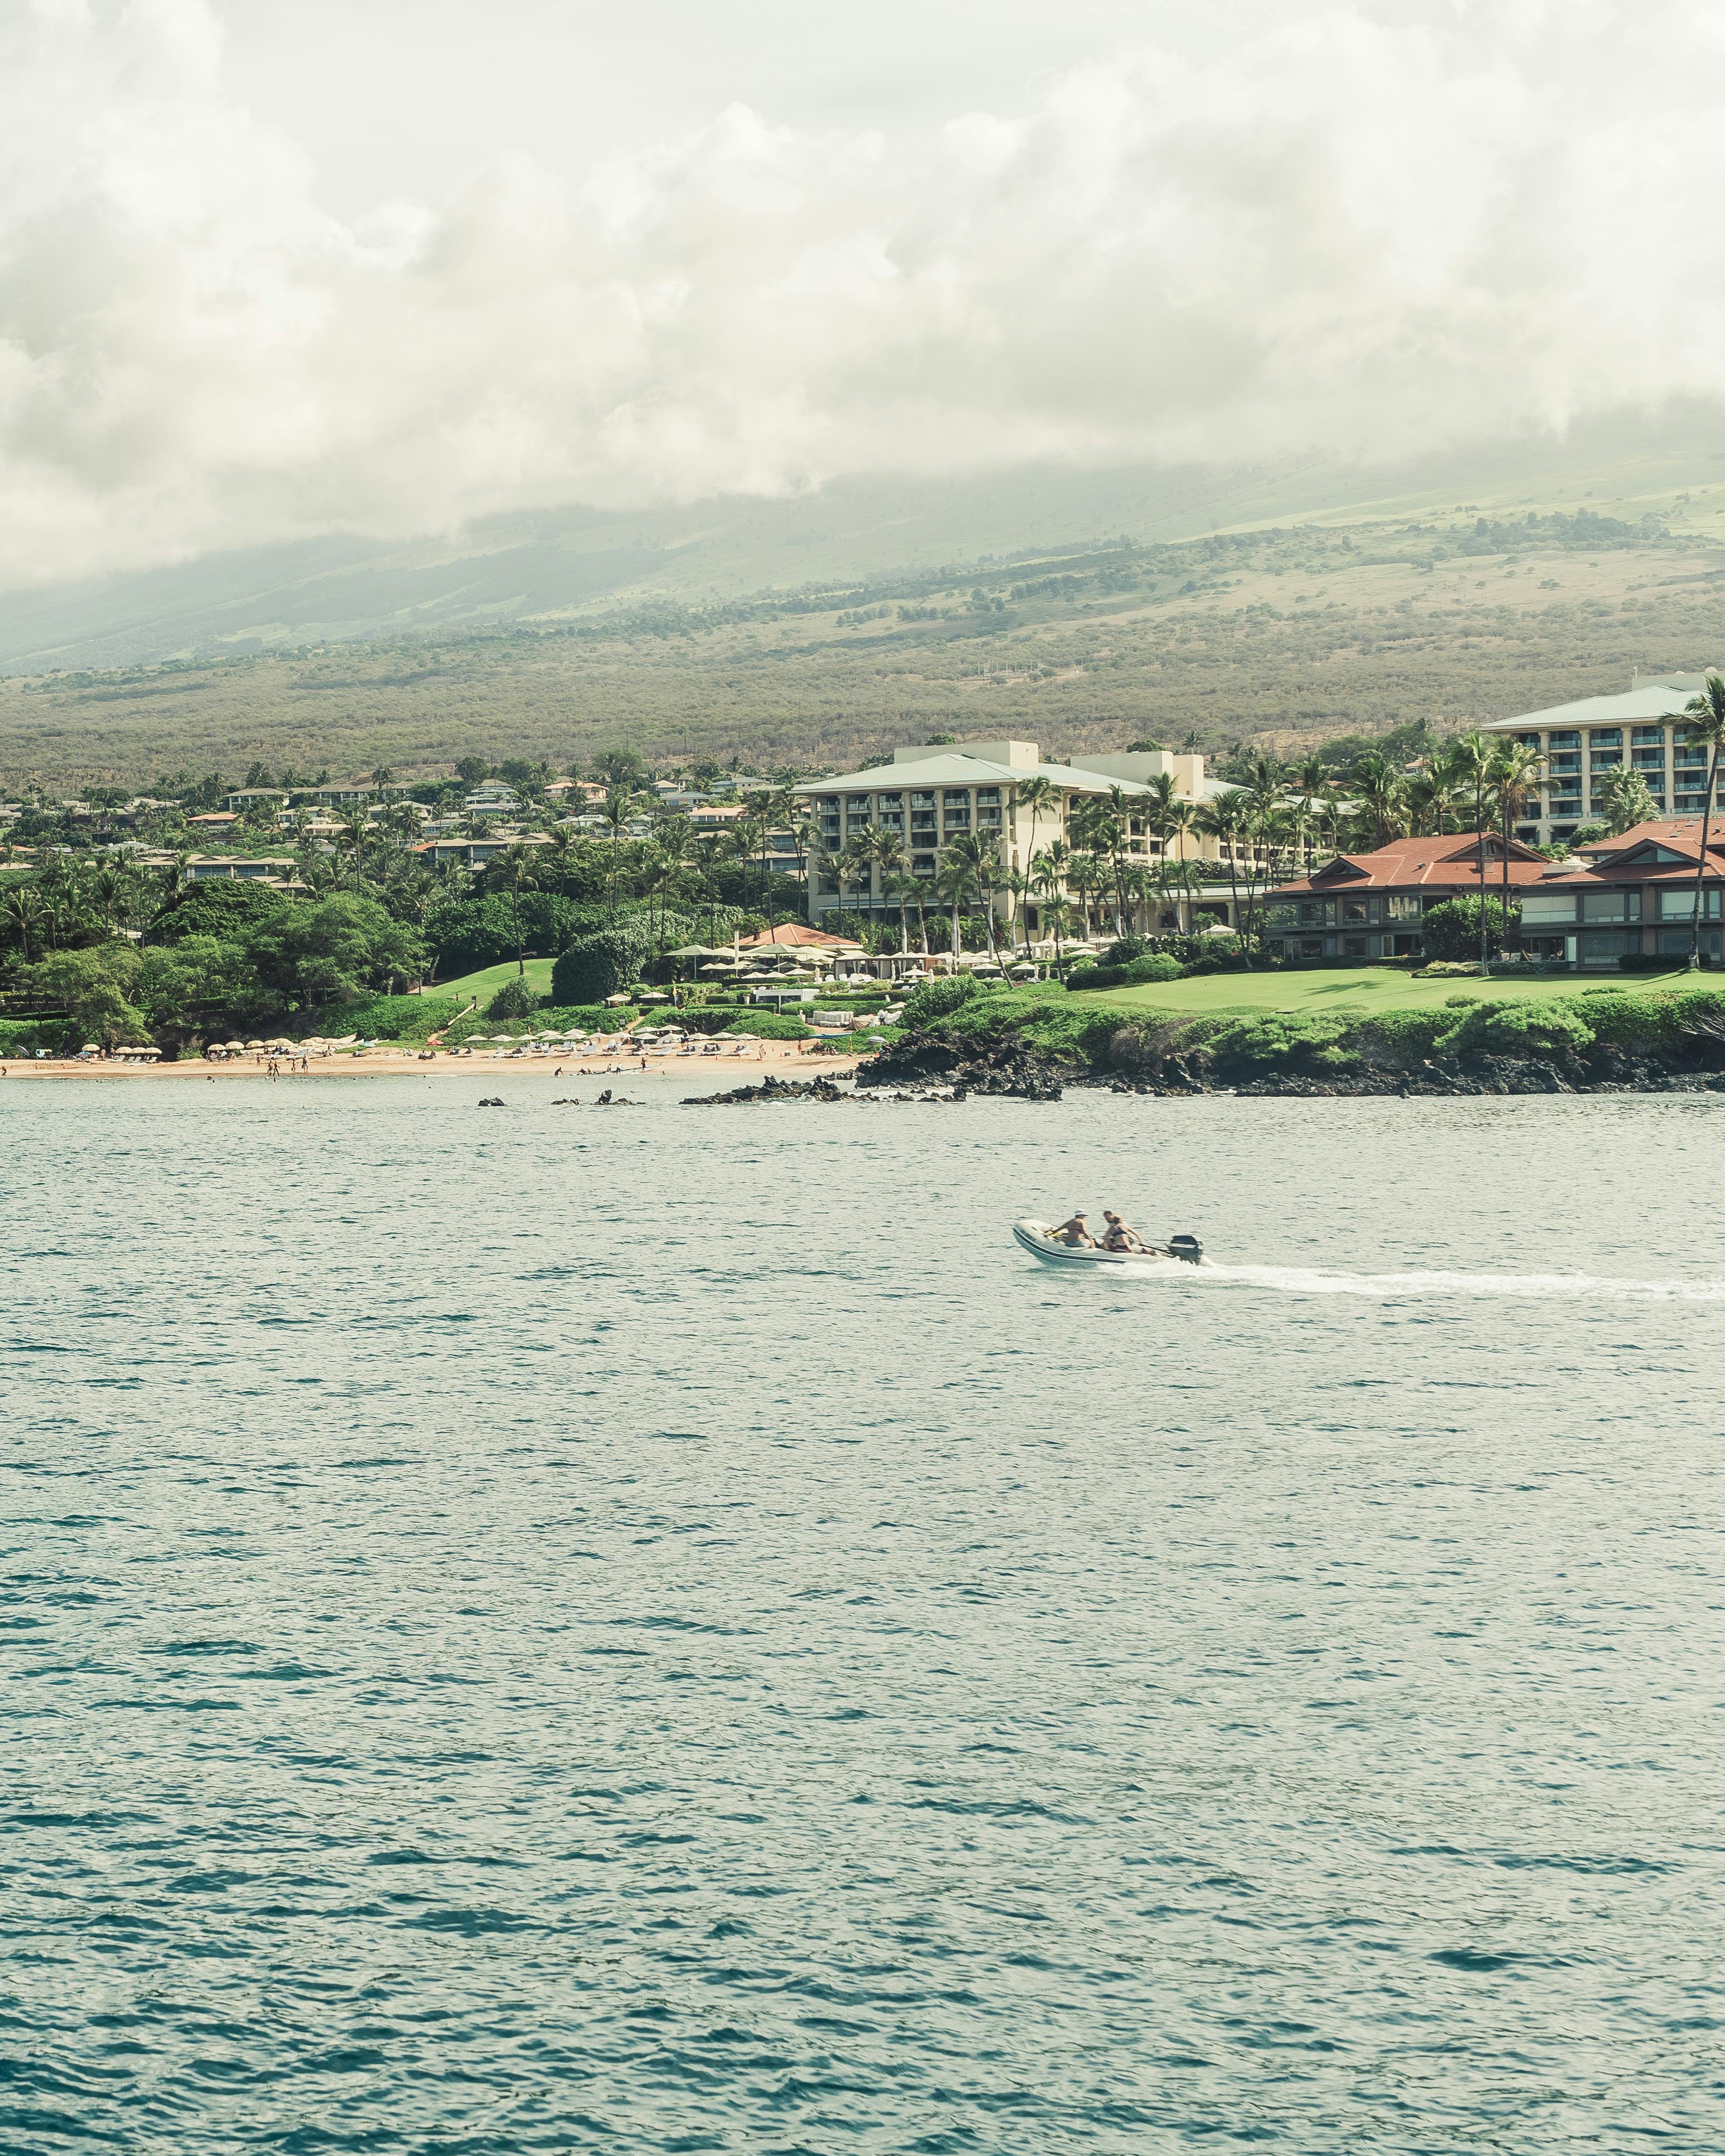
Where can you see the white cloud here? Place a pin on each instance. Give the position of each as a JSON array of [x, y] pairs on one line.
[[1369, 233]]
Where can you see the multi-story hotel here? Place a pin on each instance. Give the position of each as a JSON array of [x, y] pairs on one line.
[[927, 796], [1580, 742]]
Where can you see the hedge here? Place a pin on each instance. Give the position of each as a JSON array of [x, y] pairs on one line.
[[769, 1025]]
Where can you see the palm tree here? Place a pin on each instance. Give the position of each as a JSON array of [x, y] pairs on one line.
[[1471, 759], [1515, 772], [1035, 795], [514, 870], [955, 881], [854, 866], [351, 835], [905, 891], [24, 904], [1379, 784], [805, 834], [1084, 878], [1623, 796], [1225, 819], [1705, 714], [980, 857], [619, 802], [1310, 782], [1057, 914]]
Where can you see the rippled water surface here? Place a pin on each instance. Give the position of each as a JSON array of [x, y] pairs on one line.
[[663, 1630]]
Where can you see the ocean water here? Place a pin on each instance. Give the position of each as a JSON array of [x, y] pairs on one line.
[[663, 1630]]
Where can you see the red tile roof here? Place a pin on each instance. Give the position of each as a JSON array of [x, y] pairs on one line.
[[1450, 863], [799, 932]]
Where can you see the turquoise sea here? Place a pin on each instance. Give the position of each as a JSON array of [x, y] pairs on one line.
[[657, 1630]]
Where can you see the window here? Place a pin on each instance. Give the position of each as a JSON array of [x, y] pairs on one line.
[[890, 800], [1358, 910], [922, 801], [855, 801], [1645, 736], [1603, 759], [1607, 738], [1540, 908], [892, 819], [1674, 942], [1690, 756], [1647, 759], [1569, 739], [1528, 741], [923, 820], [956, 797], [1404, 906], [1679, 905], [923, 865], [989, 793], [1611, 906], [1567, 762]]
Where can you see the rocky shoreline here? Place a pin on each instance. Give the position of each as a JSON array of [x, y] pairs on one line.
[[939, 1064]]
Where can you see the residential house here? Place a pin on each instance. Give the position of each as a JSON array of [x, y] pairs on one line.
[[446, 854], [276, 869]]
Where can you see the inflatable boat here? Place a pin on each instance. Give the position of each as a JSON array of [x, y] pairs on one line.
[[1043, 1243]]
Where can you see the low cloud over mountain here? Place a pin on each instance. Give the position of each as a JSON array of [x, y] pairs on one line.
[[1366, 232]]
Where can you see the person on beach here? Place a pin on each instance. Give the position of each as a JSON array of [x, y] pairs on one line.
[[1074, 1235]]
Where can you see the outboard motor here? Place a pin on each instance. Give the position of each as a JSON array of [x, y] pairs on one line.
[[1186, 1248]]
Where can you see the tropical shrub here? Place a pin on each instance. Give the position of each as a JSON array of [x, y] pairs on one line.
[[1153, 966], [930, 1000], [595, 967], [394, 1017], [95, 988], [769, 1025], [1552, 1025], [1451, 928], [1125, 950], [1284, 1040], [471, 933], [514, 999], [335, 950], [232, 908]]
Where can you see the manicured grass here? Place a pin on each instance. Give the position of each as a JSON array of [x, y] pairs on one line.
[[1362, 988], [485, 984]]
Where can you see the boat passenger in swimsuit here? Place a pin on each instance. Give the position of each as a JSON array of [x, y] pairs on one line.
[[1117, 1236], [1075, 1233]]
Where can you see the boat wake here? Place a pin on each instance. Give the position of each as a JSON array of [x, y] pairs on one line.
[[1300, 1280]]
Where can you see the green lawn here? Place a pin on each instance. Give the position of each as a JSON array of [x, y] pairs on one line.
[[1362, 988], [485, 984]]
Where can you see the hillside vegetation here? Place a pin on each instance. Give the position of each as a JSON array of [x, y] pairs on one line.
[[1279, 633]]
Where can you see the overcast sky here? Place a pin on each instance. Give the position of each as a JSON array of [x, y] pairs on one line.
[[275, 267]]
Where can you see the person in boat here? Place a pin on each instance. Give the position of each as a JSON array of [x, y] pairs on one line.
[[1075, 1233], [1118, 1237]]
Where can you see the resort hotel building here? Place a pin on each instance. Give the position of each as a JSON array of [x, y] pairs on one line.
[[1580, 742], [1633, 897], [926, 797]]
